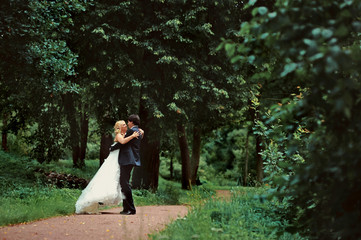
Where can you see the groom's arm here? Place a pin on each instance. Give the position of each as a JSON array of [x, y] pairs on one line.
[[129, 133], [114, 147]]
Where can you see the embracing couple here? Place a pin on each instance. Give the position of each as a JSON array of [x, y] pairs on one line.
[[111, 184]]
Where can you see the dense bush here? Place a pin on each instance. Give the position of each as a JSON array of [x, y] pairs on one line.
[[314, 45], [246, 216]]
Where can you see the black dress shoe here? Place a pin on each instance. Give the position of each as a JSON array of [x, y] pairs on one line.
[[127, 212]]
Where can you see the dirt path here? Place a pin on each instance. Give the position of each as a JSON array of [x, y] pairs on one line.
[[107, 225], [224, 195]]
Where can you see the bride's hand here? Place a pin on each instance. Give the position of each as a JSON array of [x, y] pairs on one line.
[[141, 131]]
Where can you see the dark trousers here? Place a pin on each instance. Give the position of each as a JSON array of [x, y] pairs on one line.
[[128, 204]]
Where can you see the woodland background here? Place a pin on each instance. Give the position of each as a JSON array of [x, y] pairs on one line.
[[237, 92]]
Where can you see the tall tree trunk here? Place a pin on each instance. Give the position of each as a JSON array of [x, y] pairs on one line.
[[245, 177], [196, 153], [259, 160], [106, 140], [183, 145], [74, 128], [147, 175], [171, 169], [4, 133], [254, 112], [83, 138]]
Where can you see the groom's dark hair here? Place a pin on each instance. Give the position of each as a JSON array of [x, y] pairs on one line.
[[134, 118]]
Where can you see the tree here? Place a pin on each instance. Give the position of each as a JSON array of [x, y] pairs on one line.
[[182, 40], [320, 53], [13, 27], [56, 62]]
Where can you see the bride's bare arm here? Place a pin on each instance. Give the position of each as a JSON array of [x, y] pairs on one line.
[[121, 139]]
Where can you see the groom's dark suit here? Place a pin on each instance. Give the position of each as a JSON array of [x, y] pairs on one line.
[[130, 152], [129, 156]]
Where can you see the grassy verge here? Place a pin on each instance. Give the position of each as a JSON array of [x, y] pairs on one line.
[[31, 203], [244, 217]]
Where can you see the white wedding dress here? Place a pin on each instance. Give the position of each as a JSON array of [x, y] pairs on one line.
[[103, 189]]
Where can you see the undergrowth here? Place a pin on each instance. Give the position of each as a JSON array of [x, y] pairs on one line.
[[245, 216]]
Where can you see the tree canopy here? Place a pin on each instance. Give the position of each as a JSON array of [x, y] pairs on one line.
[[282, 74]]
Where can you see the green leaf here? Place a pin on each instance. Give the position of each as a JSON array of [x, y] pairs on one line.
[[236, 59], [290, 67], [327, 33], [272, 15], [252, 2], [230, 49], [262, 10], [310, 43], [316, 32], [316, 56]]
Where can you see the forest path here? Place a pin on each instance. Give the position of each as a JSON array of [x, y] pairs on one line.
[[107, 225]]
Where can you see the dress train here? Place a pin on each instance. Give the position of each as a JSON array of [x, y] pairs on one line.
[[104, 188]]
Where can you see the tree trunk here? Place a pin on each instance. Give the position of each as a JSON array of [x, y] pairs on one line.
[[259, 148], [106, 141], [171, 169], [245, 177], [196, 153], [83, 138], [4, 133], [183, 145], [147, 175], [254, 112], [74, 128], [259, 163]]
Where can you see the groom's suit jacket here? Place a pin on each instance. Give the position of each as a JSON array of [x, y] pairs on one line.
[[129, 153]]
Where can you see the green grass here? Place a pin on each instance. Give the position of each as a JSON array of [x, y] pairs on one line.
[[246, 216], [24, 195], [31, 203]]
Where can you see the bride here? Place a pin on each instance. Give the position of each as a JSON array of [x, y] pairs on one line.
[[104, 188]]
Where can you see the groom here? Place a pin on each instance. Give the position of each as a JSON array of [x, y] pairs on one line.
[[129, 156]]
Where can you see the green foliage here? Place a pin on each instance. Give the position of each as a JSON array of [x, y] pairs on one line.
[[50, 135], [315, 45], [41, 70], [167, 194], [244, 217], [281, 131], [165, 168], [226, 154], [66, 167], [11, 165], [224, 147]]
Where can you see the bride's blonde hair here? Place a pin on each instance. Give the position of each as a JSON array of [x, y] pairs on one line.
[[117, 126]]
